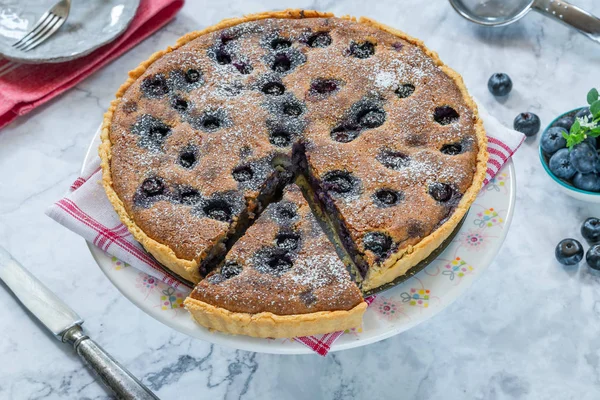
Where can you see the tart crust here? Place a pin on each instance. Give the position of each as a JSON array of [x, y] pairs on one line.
[[267, 324]]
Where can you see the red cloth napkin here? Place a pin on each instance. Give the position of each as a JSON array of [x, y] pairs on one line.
[[28, 86]]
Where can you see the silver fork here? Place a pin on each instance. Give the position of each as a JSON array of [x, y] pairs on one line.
[[46, 26]]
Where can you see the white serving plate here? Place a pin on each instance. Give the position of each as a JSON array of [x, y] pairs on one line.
[[394, 311]]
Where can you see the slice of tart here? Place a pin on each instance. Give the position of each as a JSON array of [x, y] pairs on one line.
[[283, 278]]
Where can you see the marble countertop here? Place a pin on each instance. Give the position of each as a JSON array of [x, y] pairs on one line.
[[528, 329]]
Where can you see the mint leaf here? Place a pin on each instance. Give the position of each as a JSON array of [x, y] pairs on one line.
[[595, 132], [595, 108], [592, 96], [575, 127]]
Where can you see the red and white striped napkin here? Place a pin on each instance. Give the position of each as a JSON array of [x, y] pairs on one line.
[[86, 211]]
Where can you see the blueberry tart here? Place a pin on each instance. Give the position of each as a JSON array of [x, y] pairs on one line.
[[203, 141]]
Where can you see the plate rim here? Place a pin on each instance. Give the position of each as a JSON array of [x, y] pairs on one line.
[[82, 53], [222, 339]]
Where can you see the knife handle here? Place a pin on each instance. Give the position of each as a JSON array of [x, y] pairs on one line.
[[113, 375]]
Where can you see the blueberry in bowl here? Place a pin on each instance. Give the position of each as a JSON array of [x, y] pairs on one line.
[[569, 151]]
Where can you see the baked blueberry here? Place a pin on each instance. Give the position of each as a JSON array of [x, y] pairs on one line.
[[395, 160], [179, 103], [527, 123], [280, 138], [153, 187], [452, 149], [589, 182], [308, 297], [243, 173], [590, 230], [292, 109], [445, 115], [583, 158], [280, 44], [323, 86], [404, 90], [345, 133], [285, 212], [441, 192], [281, 63], [230, 269], [218, 209], [387, 197], [568, 252], [592, 257], [192, 75], [155, 86], [371, 118], [187, 158], [185, 80], [242, 67], [222, 57], [210, 121], [152, 131], [553, 140], [378, 242], [273, 261], [188, 196], [280, 263], [565, 122], [273, 89], [362, 50], [560, 164], [500, 84], [319, 39], [340, 182], [287, 241]]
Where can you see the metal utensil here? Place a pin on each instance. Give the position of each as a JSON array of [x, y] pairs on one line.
[[46, 26], [504, 12], [65, 324]]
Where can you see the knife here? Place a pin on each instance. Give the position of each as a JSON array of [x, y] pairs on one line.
[[65, 324]]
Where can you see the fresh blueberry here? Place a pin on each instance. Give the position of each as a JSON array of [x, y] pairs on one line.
[[568, 252], [565, 122], [592, 257], [590, 230], [591, 141], [560, 164], [552, 140], [589, 182], [584, 158], [500, 84], [584, 112], [527, 123]]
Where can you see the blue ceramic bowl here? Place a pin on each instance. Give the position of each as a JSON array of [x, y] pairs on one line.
[[565, 186]]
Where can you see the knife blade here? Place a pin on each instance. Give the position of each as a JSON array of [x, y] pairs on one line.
[[51, 311], [65, 325]]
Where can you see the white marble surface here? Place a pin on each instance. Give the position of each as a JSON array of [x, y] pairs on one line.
[[528, 329]]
